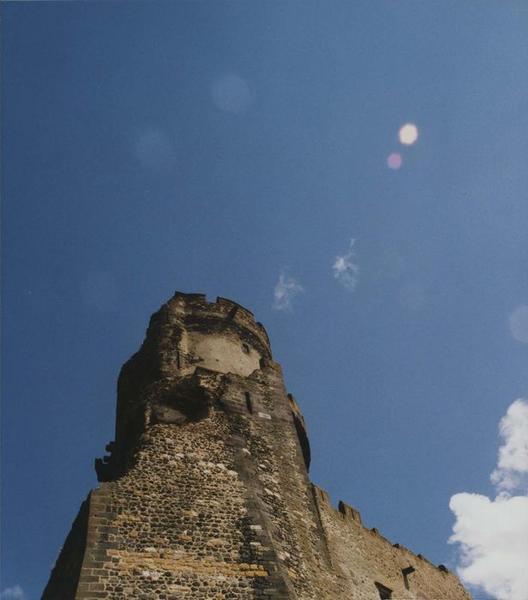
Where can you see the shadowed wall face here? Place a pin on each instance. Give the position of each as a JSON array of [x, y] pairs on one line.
[[205, 491]]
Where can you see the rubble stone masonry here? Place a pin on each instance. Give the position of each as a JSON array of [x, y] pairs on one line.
[[205, 492]]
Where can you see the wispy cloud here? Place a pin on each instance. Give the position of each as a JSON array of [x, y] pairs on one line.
[[285, 291], [493, 533], [345, 268], [13, 593]]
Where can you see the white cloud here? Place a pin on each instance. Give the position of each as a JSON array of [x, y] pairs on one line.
[[512, 467], [345, 268], [13, 593], [285, 290], [493, 534]]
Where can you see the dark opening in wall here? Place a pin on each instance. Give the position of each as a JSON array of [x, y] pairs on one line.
[[406, 572], [384, 592], [249, 403], [245, 348]]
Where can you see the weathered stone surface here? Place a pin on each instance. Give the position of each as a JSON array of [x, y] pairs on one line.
[[205, 493]]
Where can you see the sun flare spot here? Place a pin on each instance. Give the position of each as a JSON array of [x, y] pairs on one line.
[[394, 161], [408, 134]]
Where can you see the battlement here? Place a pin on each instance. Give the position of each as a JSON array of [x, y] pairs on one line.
[[196, 307], [402, 569], [188, 332], [349, 514]]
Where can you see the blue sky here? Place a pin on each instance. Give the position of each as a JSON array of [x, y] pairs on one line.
[[217, 146]]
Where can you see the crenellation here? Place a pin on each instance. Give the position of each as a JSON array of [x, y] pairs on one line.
[[398, 562], [205, 491], [349, 512], [322, 496]]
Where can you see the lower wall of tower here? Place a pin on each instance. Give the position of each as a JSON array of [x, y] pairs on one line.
[[177, 524], [221, 508], [275, 475]]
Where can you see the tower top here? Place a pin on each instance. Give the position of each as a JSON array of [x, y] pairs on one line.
[[189, 332], [187, 341], [224, 318]]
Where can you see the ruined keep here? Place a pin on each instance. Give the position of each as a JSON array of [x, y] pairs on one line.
[[205, 492]]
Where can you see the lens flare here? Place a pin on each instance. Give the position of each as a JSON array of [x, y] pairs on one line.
[[394, 161], [408, 134], [231, 93]]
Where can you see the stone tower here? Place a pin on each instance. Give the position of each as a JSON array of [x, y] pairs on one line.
[[205, 492]]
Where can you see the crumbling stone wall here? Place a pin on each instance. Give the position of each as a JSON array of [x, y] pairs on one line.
[[205, 492], [365, 558]]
